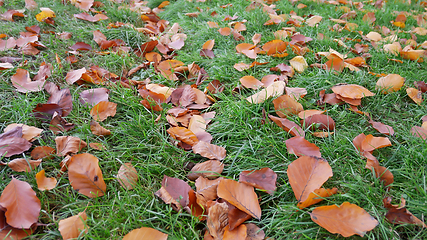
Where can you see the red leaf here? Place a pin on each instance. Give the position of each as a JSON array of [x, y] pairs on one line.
[[301, 147], [264, 178]]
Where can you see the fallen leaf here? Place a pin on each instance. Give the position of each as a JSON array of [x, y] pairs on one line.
[[12, 143], [307, 174], [28, 132], [347, 219], [72, 227], [371, 143], [22, 82], [145, 233], [184, 135], [206, 190], [174, 191], [217, 220], [264, 179], [68, 144], [240, 195], [238, 233], [40, 152], [98, 130], [30, 5], [23, 165], [351, 91], [85, 175], [87, 17], [44, 183], [398, 214], [103, 110], [319, 121], [289, 126], [21, 203], [286, 105], [9, 14], [74, 75], [45, 14], [382, 128], [415, 95], [419, 132], [301, 147], [390, 83], [275, 89], [312, 21], [127, 176], [210, 169], [317, 196], [250, 82]]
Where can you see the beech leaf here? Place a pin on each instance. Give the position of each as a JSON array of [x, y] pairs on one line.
[[301, 147], [44, 183], [209, 169], [210, 151], [103, 110], [72, 227], [264, 178], [127, 176], [145, 233]]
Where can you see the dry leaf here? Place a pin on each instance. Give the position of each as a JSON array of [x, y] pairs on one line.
[[347, 219], [210, 151], [68, 144], [289, 126], [44, 183], [250, 82], [210, 169], [98, 130], [217, 220], [351, 91], [238, 233], [390, 83], [370, 143], [298, 63], [415, 95], [28, 132], [23, 165], [85, 175], [127, 176], [307, 174], [94, 96], [264, 178], [398, 214], [103, 110], [22, 82], [286, 105], [174, 191], [145, 233], [301, 147], [275, 89], [382, 128], [317, 196], [72, 227], [12, 143]]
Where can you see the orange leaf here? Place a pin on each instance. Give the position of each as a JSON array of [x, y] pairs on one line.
[[206, 190], [415, 95], [145, 233], [347, 219], [127, 176], [209, 169], [275, 89], [98, 130], [22, 82], [21, 203], [184, 135], [319, 121], [317, 196], [307, 174], [212, 24], [68, 144], [209, 44], [351, 91], [382, 128], [287, 125], [71, 228], [238, 233], [225, 31], [251, 82], [240, 195], [307, 113], [44, 183], [217, 219], [264, 178], [370, 143], [40, 152], [85, 175], [102, 110], [28, 132], [286, 105], [390, 83], [23, 165], [301, 147]]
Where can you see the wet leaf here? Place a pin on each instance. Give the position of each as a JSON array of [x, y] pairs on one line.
[[85, 175], [44, 183], [264, 178], [145, 233], [21, 203], [347, 219], [103, 110], [240, 195], [68, 144], [71, 228], [301, 147], [307, 174]]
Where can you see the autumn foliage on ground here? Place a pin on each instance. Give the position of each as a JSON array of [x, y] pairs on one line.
[[213, 120]]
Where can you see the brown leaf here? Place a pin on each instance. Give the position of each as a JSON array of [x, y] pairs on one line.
[[370, 143], [7, 44], [298, 63], [301, 147], [264, 178], [44, 183], [98, 130], [176, 189], [307, 113], [351, 91], [286, 105], [206, 190], [390, 83], [382, 128], [210, 169], [399, 214], [9, 14], [85, 175], [127, 176], [9, 233], [275, 89], [217, 219], [30, 5], [145, 233], [347, 219], [23, 165], [209, 44], [184, 135], [40, 152], [71, 228], [319, 121], [317, 196], [287, 125], [87, 17], [68, 144], [238, 233], [240, 195], [63, 99], [384, 174], [58, 124], [81, 46], [103, 110], [307, 174], [12, 143], [74, 75], [415, 95], [210, 151], [22, 82], [251, 82], [21, 203], [28, 132], [415, 131], [226, 31]]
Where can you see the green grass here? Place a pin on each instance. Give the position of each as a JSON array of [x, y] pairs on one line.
[[238, 127]]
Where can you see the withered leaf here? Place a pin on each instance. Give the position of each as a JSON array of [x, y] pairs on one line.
[[264, 178], [22, 82], [419, 132], [12, 143], [127, 176], [184, 135], [217, 219], [319, 121], [145, 233], [275, 89], [347, 219], [317, 196], [287, 125], [103, 110], [237, 233], [390, 83], [240, 195], [210, 169], [371, 143], [98, 130], [40, 152], [177, 189], [28, 132], [210, 151], [71, 228], [44, 183], [286, 105], [68, 144], [301, 147], [352, 91], [23, 165], [90, 18], [382, 128], [398, 214], [85, 175], [307, 174]]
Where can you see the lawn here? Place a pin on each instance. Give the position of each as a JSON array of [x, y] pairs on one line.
[[140, 136]]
